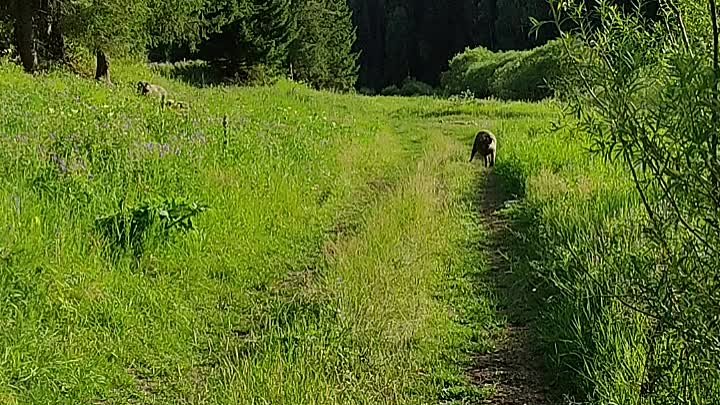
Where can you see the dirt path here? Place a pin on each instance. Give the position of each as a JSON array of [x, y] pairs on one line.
[[513, 369]]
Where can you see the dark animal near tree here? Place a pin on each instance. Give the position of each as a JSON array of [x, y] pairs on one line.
[[486, 145]]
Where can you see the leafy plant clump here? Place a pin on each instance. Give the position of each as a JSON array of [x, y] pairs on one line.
[[531, 75], [391, 90], [473, 70], [513, 75], [132, 228], [412, 87]]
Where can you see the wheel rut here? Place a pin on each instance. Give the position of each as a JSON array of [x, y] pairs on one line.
[[513, 369]]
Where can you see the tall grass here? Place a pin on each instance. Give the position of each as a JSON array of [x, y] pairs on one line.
[[576, 234], [335, 262], [79, 323]]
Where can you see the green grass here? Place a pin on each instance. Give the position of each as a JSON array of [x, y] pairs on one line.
[[573, 239], [338, 260], [576, 235]]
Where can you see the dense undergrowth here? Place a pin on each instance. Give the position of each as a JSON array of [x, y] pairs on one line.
[[576, 239], [510, 75]]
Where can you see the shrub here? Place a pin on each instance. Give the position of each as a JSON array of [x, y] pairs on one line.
[[366, 91], [480, 74], [512, 75], [411, 87], [648, 98], [530, 75], [453, 80], [473, 70], [390, 91], [132, 228]]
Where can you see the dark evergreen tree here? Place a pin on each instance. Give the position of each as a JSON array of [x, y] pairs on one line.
[[323, 53], [513, 23], [396, 39], [259, 38], [369, 18], [399, 44], [6, 27], [51, 38], [178, 27], [401, 38]]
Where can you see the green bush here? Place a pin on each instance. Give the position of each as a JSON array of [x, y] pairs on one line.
[[512, 75], [366, 91], [653, 108], [390, 91], [473, 70], [453, 80], [530, 75], [132, 227], [411, 87], [479, 77]]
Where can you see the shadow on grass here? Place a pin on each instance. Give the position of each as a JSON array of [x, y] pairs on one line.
[[195, 73], [509, 223], [516, 367], [470, 110]]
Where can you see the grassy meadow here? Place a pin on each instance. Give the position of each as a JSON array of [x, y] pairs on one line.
[[335, 251]]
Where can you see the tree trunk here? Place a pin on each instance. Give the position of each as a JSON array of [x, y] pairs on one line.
[[102, 72], [50, 31], [24, 33]]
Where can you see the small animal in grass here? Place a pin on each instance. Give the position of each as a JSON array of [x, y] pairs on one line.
[[148, 89], [486, 145]]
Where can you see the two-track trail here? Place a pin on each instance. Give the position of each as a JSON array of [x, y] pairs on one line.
[[508, 370]]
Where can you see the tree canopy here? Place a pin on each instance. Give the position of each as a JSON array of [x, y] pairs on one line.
[[328, 43]]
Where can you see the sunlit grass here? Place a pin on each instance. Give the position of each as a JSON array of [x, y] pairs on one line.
[[334, 263], [338, 260]]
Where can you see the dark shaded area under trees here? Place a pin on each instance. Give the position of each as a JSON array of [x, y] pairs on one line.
[[246, 40], [417, 38], [326, 43]]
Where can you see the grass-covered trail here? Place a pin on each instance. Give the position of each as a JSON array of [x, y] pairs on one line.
[[340, 259], [515, 367]]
